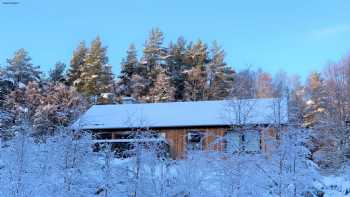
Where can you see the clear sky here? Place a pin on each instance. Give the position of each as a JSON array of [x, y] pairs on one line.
[[296, 36]]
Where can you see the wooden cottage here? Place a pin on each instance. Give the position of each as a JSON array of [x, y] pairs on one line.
[[188, 125]]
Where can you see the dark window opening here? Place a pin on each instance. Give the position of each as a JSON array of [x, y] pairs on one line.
[[195, 140]]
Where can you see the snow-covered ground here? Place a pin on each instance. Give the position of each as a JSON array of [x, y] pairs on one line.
[[64, 166], [335, 186]]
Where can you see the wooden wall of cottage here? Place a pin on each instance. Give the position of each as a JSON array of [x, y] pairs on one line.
[[177, 138]]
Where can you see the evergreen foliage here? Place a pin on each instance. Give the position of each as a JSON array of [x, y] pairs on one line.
[[128, 69], [76, 64], [19, 69], [176, 65], [220, 76], [57, 73], [162, 89], [316, 103]]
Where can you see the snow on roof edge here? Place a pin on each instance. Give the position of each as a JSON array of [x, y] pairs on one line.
[[110, 116]]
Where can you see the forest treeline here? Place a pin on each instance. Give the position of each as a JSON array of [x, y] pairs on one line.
[[177, 71]]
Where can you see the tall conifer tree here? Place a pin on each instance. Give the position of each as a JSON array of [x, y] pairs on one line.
[[220, 76], [162, 90], [20, 69], [76, 65], [95, 74], [129, 66], [196, 77], [153, 55], [176, 65], [316, 105], [57, 73]]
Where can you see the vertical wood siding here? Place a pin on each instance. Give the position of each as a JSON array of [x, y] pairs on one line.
[[177, 138]]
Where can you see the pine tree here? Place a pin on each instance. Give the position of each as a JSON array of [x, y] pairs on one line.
[[5, 87], [154, 56], [220, 76], [176, 65], [20, 69], [129, 66], [195, 84], [2, 88], [316, 105], [196, 77], [76, 65], [162, 89], [57, 73], [153, 51], [139, 87], [140, 83], [5, 124], [95, 74], [107, 80], [5, 115]]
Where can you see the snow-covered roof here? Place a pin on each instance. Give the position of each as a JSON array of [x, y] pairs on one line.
[[184, 114]]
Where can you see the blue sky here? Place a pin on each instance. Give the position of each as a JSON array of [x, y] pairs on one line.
[[295, 36]]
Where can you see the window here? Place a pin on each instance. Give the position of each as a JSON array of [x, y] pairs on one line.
[[252, 141], [249, 141], [233, 140], [194, 140]]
